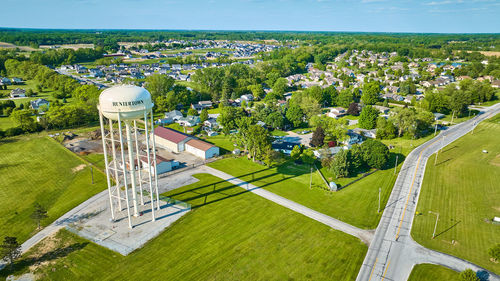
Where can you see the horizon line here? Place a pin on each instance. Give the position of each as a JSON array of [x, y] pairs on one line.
[[244, 30]]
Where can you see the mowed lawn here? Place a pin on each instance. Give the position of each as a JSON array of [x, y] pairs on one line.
[[464, 188], [432, 272], [230, 234], [357, 204], [38, 169]]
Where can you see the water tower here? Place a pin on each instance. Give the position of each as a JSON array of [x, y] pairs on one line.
[[132, 166]]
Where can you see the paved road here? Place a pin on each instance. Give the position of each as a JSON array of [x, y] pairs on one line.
[[365, 235], [58, 224], [393, 253]]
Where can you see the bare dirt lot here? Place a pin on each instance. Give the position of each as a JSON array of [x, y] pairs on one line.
[[4, 45], [68, 46]]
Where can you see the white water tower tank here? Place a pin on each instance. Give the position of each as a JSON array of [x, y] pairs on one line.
[[128, 100]]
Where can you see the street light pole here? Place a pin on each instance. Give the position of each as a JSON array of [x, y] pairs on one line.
[[379, 190], [435, 226], [311, 178], [395, 165], [437, 152]]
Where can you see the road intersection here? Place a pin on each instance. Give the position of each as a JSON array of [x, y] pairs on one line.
[[393, 253]]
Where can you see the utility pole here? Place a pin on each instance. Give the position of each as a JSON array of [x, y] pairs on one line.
[[92, 174], [437, 152], [435, 226], [311, 178], [395, 165], [436, 128], [379, 191]]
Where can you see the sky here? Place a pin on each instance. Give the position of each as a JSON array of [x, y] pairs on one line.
[[436, 16]]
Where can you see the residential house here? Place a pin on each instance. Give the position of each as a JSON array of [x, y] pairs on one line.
[[390, 96], [189, 121], [353, 138], [366, 133], [205, 104], [36, 104], [18, 93], [336, 112]]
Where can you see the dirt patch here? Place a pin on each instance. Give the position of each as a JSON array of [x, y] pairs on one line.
[[78, 168], [497, 208], [495, 161], [68, 46], [12, 46]]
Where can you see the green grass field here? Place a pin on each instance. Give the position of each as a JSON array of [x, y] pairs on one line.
[[6, 122], [230, 234], [357, 204], [463, 189], [432, 272], [38, 169], [223, 142]]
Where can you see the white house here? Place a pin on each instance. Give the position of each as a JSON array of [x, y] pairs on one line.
[[336, 112]]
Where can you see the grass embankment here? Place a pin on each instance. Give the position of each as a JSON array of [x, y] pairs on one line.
[[230, 234], [357, 204], [463, 188], [432, 272], [37, 169]]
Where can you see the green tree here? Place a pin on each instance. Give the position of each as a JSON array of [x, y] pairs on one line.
[[295, 154], [10, 249], [192, 112], [204, 115], [375, 153], [405, 120], [494, 252], [260, 141], [24, 119], [295, 115], [257, 91], [275, 120], [39, 214], [159, 85], [339, 166], [468, 275], [280, 86], [368, 117], [385, 129], [370, 93], [345, 98]]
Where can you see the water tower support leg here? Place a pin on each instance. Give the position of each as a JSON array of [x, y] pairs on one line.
[[115, 159], [149, 167], [130, 147], [154, 161], [124, 166], [103, 137], [137, 151]]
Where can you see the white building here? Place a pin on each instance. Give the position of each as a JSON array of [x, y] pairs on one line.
[[202, 149]]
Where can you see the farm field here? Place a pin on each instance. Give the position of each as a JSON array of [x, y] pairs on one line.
[[432, 272], [463, 188], [37, 169], [230, 234]]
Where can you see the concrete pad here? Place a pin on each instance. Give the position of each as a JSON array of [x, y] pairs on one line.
[[94, 223]]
